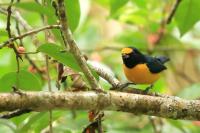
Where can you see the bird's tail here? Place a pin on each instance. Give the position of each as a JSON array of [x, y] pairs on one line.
[[163, 59]]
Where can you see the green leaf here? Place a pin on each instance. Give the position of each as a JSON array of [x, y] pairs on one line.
[[3, 32], [25, 126], [7, 123], [137, 18], [168, 41], [7, 61], [140, 3], [66, 58], [94, 73], [22, 80], [115, 5], [191, 92], [57, 53], [43, 121], [187, 15], [73, 13], [35, 7], [130, 38]]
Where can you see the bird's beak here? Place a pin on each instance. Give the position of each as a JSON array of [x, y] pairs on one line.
[[125, 56]]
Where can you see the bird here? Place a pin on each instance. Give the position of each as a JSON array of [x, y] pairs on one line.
[[140, 68]]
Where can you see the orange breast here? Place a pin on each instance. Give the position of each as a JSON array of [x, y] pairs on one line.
[[140, 74]]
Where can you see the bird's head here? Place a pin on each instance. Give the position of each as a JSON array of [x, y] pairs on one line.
[[129, 52], [131, 56]]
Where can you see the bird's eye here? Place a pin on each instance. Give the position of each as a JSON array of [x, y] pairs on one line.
[[125, 55]]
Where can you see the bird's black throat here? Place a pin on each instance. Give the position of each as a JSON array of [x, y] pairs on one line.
[[133, 59]]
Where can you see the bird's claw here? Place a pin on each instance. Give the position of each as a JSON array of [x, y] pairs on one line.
[[122, 86], [148, 88]]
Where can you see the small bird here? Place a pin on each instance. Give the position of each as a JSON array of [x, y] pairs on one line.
[[140, 68]]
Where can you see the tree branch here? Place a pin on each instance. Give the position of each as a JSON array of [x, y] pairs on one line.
[[172, 13], [109, 78], [67, 36], [27, 34], [168, 107]]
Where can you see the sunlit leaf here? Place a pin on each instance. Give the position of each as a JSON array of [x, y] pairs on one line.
[[187, 15], [35, 7], [23, 80], [73, 13], [3, 32], [43, 122], [7, 61], [116, 5], [25, 126], [140, 3], [61, 56], [64, 57]]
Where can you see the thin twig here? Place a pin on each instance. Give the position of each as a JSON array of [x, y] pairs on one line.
[[9, 11], [26, 55], [8, 19], [47, 37], [21, 20], [17, 16], [29, 33], [15, 113], [172, 13], [60, 71], [154, 124], [50, 89]]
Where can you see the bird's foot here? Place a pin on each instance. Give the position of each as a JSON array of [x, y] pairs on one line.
[[148, 88], [123, 86]]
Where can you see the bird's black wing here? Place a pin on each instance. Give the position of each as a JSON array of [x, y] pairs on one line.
[[162, 59], [154, 65]]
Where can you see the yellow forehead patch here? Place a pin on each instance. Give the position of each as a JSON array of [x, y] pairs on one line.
[[127, 50]]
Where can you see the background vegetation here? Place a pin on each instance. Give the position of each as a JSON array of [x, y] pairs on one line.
[[101, 28]]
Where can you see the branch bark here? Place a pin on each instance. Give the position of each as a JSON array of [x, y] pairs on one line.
[[168, 107]]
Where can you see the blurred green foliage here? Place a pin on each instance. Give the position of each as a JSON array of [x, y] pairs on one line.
[[100, 28]]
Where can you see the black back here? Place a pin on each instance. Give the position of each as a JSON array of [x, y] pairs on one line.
[[154, 64]]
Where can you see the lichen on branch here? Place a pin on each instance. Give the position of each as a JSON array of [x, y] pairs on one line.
[[168, 107]]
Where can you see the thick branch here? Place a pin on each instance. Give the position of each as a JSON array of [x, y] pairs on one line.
[[28, 33], [168, 107]]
